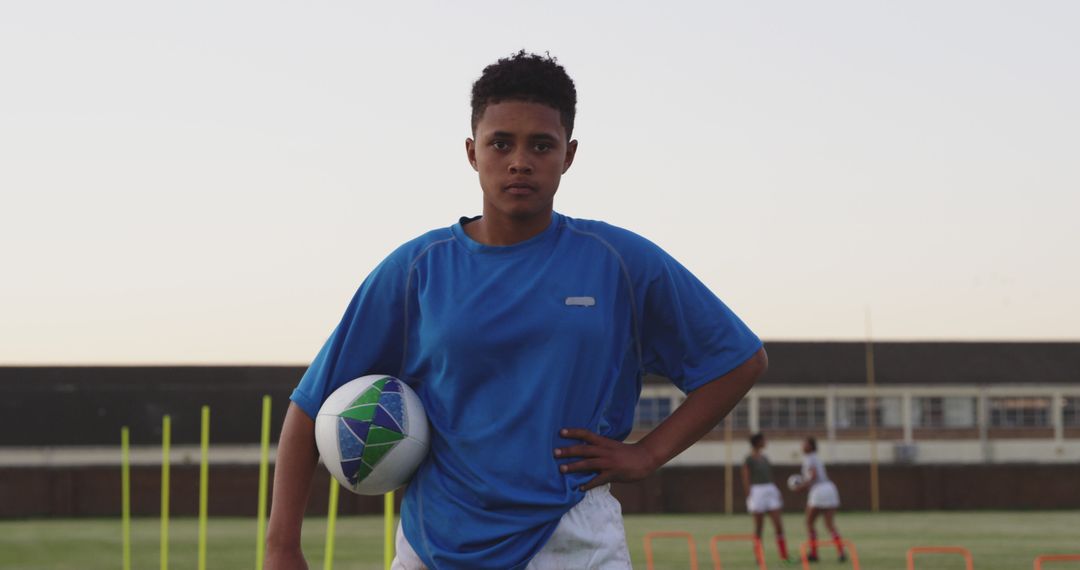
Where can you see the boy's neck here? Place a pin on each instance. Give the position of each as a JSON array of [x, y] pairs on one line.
[[502, 231]]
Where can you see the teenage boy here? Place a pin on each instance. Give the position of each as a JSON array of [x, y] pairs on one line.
[[526, 333]]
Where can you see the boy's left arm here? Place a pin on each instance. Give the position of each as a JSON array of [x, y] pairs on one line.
[[703, 408]]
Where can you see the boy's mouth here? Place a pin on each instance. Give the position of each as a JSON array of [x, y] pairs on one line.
[[519, 188]]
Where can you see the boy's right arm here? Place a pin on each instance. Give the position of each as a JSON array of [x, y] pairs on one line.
[[293, 471]]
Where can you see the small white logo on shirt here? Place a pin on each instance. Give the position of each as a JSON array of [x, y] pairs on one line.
[[580, 301]]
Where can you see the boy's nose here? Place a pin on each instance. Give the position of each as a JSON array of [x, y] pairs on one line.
[[519, 164]]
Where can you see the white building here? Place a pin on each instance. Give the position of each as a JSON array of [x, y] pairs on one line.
[[933, 403]]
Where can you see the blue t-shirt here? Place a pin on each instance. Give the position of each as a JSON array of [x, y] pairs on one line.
[[507, 345]]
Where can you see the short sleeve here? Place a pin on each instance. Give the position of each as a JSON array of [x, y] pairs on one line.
[[688, 334], [369, 339]]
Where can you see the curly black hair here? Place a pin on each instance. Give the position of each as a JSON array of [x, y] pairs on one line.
[[526, 77]]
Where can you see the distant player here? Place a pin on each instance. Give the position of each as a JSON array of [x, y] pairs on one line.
[[823, 499], [762, 495], [526, 333]]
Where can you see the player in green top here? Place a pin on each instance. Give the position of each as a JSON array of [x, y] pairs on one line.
[[762, 495]]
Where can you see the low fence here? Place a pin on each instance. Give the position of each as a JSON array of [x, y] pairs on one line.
[[94, 491], [903, 488]]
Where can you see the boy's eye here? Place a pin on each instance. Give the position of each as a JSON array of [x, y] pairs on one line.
[[542, 147], [500, 145]]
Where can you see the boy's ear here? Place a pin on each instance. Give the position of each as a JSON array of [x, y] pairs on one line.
[[470, 152], [571, 151]]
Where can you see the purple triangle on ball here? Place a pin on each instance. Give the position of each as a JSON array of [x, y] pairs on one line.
[[349, 469], [384, 419], [358, 427], [392, 386]]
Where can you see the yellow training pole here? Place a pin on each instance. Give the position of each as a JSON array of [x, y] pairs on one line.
[[388, 529], [125, 495], [331, 522], [204, 477], [264, 471], [166, 436]]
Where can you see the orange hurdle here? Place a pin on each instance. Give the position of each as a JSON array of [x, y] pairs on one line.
[[1055, 558], [670, 534], [938, 550], [845, 542], [759, 552]]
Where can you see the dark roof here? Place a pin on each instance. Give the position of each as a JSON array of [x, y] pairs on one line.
[[87, 405], [823, 363], [924, 363], [790, 362], [151, 378]]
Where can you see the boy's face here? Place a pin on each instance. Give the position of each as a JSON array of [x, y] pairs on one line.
[[520, 152]]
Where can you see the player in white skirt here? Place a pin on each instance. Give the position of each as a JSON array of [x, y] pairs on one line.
[[762, 495], [823, 499]]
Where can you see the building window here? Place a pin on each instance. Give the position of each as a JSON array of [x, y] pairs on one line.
[[1019, 412], [651, 411], [943, 412], [852, 413], [1070, 414], [740, 416], [791, 413]]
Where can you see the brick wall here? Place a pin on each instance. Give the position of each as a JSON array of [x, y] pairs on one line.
[[95, 491]]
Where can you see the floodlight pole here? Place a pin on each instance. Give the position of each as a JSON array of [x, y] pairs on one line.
[[871, 416], [166, 440], [125, 495]]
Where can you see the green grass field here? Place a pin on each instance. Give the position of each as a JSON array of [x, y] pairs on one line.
[[997, 540]]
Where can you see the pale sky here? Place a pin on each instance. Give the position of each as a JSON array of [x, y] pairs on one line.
[[208, 182]]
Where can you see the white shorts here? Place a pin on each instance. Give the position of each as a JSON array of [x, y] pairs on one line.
[[590, 536], [764, 497], [823, 495]]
